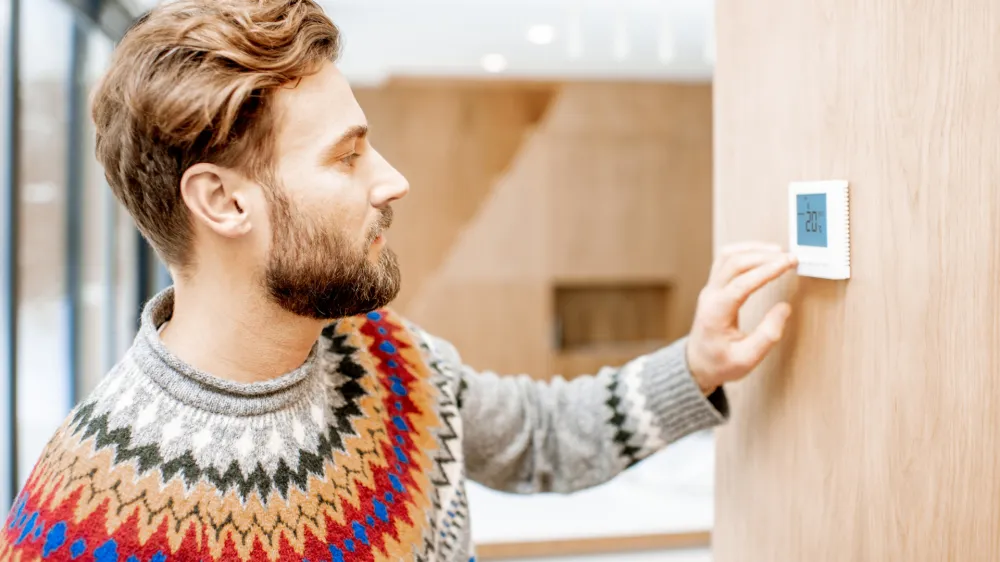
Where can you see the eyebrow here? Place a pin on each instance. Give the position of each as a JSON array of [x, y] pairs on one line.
[[353, 133], [334, 151]]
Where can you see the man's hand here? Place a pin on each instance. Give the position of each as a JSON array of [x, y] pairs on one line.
[[717, 351]]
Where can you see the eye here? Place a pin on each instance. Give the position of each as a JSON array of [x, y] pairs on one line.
[[350, 159]]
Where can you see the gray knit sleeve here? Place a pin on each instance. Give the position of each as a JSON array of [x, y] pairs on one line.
[[523, 435]]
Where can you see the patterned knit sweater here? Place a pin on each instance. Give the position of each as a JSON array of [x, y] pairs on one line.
[[360, 454]]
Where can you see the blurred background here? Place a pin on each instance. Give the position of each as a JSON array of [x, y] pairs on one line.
[[560, 158]]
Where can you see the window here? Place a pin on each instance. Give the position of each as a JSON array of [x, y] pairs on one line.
[[44, 391], [99, 248], [8, 209], [76, 260]]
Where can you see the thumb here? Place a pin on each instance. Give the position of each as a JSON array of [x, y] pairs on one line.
[[753, 348]]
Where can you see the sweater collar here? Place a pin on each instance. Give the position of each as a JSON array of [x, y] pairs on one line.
[[205, 391]]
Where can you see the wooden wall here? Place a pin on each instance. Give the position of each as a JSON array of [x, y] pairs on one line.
[[869, 435], [519, 188], [453, 144]]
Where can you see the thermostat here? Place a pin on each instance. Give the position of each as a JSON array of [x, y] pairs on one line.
[[819, 228]]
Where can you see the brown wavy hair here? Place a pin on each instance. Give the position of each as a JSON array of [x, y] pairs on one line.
[[194, 81]]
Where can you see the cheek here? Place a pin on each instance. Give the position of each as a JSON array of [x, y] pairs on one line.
[[342, 220], [348, 208], [330, 197], [337, 217]]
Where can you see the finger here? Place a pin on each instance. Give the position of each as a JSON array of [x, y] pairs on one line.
[[727, 253], [740, 289], [751, 350], [740, 263]]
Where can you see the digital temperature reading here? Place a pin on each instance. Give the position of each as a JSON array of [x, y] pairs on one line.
[[812, 219], [819, 227]]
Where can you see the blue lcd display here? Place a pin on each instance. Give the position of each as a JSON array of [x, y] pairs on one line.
[[811, 210]]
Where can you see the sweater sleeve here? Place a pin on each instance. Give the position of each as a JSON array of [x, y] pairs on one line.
[[524, 435]]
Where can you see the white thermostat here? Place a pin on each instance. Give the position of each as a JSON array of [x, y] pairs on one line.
[[819, 228]]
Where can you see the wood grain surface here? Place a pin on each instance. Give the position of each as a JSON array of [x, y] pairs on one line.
[[872, 433], [518, 189]]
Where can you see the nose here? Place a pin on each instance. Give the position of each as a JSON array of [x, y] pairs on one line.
[[389, 184]]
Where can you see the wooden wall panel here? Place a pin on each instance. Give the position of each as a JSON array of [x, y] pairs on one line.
[[871, 433], [677, 111], [453, 144], [599, 199], [631, 170], [490, 296], [505, 241], [613, 184], [500, 326]]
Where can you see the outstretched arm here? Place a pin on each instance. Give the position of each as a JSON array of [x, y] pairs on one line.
[[523, 435]]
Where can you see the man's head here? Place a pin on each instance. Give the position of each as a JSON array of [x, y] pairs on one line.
[[228, 133]]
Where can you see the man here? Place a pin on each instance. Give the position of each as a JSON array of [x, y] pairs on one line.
[[271, 408]]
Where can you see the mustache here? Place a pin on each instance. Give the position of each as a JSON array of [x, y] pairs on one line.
[[382, 223]]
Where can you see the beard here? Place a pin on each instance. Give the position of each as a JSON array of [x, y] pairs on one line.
[[319, 273]]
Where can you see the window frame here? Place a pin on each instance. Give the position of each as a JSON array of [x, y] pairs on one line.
[[112, 18]]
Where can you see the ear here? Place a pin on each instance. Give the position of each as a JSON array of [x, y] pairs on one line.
[[216, 198]]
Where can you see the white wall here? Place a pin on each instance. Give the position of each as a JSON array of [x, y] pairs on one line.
[[670, 492]]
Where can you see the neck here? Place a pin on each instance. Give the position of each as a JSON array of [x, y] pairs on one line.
[[237, 334]]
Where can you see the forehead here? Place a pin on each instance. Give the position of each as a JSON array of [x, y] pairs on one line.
[[315, 111]]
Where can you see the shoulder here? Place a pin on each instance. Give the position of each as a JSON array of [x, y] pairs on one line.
[[435, 349], [389, 324], [72, 455], [388, 328], [436, 353]]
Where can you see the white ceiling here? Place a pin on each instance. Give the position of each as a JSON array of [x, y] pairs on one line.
[[667, 40]]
